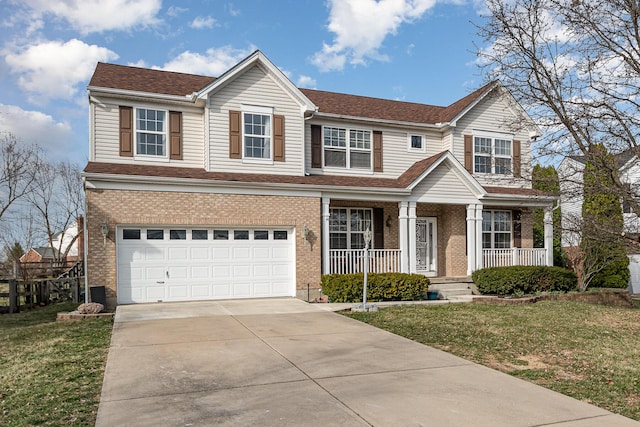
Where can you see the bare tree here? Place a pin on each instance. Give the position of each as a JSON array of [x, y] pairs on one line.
[[57, 199], [19, 168], [575, 67]]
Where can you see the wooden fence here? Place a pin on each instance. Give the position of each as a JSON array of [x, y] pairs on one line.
[[17, 294]]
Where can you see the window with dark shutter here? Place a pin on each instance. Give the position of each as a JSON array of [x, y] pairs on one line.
[[378, 227], [175, 135], [126, 131], [377, 151], [278, 138], [235, 136], [316, 146], [468, 153], [517, 172], [517, 228]]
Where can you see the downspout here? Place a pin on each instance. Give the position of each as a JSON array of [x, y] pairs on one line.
[[304, 148], [85, 237]]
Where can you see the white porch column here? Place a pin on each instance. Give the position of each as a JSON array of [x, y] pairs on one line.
[[478, 220], [412, 238], [471, 239], [325, 235], [548, 234], [403, 236]]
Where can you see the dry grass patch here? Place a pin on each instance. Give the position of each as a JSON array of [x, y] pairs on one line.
[[585, 351], [51, 373]]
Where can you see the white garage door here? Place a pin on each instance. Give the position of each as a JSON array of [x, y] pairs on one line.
[[187, 264]]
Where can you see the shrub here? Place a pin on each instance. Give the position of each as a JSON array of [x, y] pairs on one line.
[[524, 279], [380, 287]]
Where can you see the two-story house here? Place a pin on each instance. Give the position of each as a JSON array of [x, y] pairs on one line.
[[246, 186]]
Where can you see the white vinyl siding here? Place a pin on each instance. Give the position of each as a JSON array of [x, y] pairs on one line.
[[254, 87], [491, 117], [445, 186], [107, 139]]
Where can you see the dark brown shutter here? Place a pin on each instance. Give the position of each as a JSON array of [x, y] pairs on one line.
[[468, 153], [378, 228], [517, 173], [175, 135], [517, 228], [126, 131], [235, 135], [278, 138], [377, 151], [316, 146]]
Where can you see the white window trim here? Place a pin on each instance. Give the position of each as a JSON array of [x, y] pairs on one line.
[[151, 157], [263, 111], [349, 232], [492, 156], [493, 231], [348, 149], [416, 150]]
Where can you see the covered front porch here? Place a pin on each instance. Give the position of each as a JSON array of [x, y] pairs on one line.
[[434, 239]]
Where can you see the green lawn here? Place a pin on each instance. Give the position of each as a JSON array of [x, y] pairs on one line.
[[51, 372], [585, 351]]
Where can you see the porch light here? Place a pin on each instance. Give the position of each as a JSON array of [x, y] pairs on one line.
[[305, 232], [104, 229], [388, 221], [367, 238]]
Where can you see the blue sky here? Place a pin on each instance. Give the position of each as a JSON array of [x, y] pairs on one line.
[[412, 50]]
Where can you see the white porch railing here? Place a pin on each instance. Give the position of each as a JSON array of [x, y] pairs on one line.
[[347, 261], [513, 256]]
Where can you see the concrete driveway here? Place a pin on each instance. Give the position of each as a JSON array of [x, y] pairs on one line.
[[283, 362]]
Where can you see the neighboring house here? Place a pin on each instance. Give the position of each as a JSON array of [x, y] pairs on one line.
[[69, 239], [570, 174], [40, 255], [246, 186]]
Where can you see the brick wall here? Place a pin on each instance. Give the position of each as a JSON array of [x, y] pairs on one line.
[[117, 207]]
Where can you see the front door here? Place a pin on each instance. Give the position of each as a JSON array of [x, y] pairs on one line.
[[426, 246]]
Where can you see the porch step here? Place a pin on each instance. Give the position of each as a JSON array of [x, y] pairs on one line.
[[447, 289]]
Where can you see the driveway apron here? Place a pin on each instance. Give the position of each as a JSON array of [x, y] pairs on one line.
[[283, 362]]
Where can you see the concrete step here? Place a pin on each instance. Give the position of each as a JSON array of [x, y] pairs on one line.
[[451, 289]]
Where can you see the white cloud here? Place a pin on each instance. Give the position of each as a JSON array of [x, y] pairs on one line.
[[201, 22], [175, 11], [34, 127], [213, 62], [90, 16], [306, 81], [53, 69], [360, 27]]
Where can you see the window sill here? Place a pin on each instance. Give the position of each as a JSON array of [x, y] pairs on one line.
[[257, 161], [353, 171], [151, 159]]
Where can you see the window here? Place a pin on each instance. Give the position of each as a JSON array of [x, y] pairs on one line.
[[347, 227], [416, 143], [492, 155], [177, 234], [496, 229], [155, 234], [241, 235], [199, 234], [131, 234], [347, 148], [260, 235], [257, 136], [280, 235], [220, 234], [151, 132]]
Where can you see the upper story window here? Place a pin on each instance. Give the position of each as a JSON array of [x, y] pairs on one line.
[[492, 155], [151, 132], [496, 229], [347, 148], [416, 143], [257, 136]]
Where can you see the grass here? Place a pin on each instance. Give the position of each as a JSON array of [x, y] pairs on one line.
[[51, 372], [585, 351]]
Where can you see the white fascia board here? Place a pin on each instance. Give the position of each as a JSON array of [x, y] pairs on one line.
[[321, 115], [467, 179], [518, 200], [97, 91], [115, 182], [242, 66]]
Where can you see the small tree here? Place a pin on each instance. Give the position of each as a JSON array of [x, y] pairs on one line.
[[604, 259], [545, 178]]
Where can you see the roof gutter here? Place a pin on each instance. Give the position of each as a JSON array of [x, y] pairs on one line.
[[437, 126], [123, 92]]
